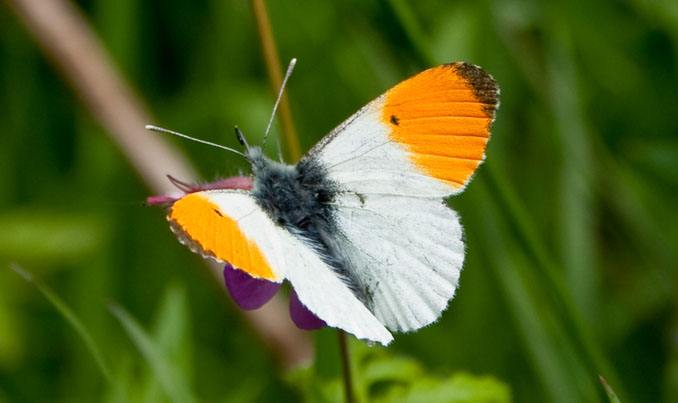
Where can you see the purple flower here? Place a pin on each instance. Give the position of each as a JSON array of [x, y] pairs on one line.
[[247, 292], [234, 182], [301, 316], [252, 293]]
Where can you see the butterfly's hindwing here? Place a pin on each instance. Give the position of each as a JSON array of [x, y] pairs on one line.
[[406, 255]]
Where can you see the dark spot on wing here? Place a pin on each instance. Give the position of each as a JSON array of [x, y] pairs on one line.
[[218, 212], [395, 120]]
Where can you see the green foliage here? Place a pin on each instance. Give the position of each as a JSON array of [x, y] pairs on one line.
[[170, 376], [381, 376], [167, 352], [38, 236], [570, 224], [166, 373], [608, 390], [69, 316]]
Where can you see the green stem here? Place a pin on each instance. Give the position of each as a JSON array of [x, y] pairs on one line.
[[288, 132], [346, 367]]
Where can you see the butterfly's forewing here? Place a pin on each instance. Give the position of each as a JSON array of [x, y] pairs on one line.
[[393, 162], [228, 225], [424, 137]]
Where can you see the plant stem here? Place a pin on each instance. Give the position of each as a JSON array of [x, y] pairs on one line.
[[346, 367], [72, 46], [288, 132]]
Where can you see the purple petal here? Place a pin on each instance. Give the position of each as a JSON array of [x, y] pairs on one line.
[[301, 316], [234, 182], [248, 292], [153, 200]]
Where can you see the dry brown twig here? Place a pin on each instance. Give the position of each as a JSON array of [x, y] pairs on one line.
[[72, 46]]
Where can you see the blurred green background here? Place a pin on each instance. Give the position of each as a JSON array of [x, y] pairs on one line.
[[571, 224]]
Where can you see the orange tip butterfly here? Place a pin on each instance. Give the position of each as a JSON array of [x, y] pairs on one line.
[[359, 226]]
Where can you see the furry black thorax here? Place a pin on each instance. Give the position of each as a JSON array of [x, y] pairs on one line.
[[300, 199], [297, 197]]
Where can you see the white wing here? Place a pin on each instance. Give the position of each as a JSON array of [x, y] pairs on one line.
[[425, 137], [393, 162], [228, 225], [360, 156], [405, 253]]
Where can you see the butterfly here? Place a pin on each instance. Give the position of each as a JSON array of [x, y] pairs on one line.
[[359, 226]]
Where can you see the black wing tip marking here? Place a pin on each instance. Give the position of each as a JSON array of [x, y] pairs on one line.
[[483, 84]]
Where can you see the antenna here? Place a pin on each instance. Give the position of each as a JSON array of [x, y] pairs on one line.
[[290, 67], [161, 130], [241, 137]]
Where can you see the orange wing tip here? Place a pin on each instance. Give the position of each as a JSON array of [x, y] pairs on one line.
[[442, 117], [450, 88], [204, 228]]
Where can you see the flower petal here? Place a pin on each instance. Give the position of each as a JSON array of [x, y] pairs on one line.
[[153, 200], [248, 292], [234, 182], [301, 316]]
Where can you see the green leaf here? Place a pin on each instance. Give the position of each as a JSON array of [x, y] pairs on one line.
[[393, 369], [459, 388], [35, 235], [171, 336], [168, 375], [380, 376]]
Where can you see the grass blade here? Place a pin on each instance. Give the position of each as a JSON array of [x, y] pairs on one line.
[[70, 317], [588, 352], [610, 393], [174, 385]]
